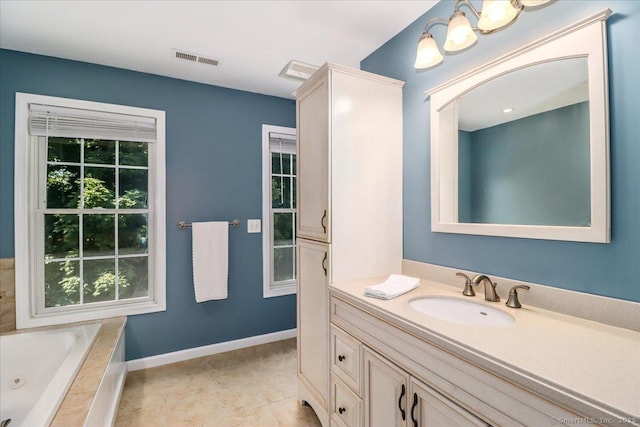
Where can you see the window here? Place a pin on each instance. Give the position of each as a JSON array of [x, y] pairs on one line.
[[279, 210], [90, 196]]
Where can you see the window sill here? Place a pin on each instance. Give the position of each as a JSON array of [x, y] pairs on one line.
[[280, 291], [25, 320]]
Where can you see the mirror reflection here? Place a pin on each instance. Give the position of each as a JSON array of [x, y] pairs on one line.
[[523, 147]]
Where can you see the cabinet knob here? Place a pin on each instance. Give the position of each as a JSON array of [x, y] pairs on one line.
[[342, 410], [341, 357]]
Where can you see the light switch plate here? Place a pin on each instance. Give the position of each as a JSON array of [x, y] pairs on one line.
[[253, 226]]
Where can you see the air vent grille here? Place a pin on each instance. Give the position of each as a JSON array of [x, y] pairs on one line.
[[209, 61], [187, 56], [194, 57]]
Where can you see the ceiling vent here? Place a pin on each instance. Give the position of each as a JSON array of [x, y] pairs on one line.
[[194, 57], [296, 70]]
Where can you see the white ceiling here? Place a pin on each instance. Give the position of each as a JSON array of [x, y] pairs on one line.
[[253, 39], [527, 91]]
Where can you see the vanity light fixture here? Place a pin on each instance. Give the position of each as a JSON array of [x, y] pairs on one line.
[[494, 15]]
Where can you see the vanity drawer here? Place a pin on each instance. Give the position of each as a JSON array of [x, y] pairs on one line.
[[346, 406], [346, 358]]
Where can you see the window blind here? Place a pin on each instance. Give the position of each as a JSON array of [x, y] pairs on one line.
[[282, 143], [48, 120]]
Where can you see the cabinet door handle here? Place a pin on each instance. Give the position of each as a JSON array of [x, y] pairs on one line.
[[413, 407], [324, 226], [342, 410], [323, 266], [402, 412], [341, 357]]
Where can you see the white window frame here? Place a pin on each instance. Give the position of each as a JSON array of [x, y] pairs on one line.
[[267, 226], [28, 241]]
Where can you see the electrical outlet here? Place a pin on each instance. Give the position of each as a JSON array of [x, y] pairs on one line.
[[253, 226]]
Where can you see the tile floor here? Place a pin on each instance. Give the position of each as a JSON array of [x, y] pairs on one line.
[[252, 387]]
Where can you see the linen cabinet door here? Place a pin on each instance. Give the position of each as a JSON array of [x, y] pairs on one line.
[[314, 214], [428, 408], [385, 392], [313, 318]]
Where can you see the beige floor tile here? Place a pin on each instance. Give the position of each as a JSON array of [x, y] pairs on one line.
[[248, 387], [290, 413], [277, 387], [141, 418], [262, 417]]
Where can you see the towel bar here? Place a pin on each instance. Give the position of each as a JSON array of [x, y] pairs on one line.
[[182, 224]]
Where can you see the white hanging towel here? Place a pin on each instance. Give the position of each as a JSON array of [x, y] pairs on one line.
[[210, 260]]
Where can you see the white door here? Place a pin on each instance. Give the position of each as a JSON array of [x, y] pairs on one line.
[[385, 393], [313, 163], [313, 316]]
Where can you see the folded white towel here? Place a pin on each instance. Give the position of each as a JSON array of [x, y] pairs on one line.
[[394, 286], [210, 260]]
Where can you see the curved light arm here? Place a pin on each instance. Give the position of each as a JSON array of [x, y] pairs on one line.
[[434, 21], [469, 5]]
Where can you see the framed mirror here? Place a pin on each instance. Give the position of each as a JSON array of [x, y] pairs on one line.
[[520, 146]]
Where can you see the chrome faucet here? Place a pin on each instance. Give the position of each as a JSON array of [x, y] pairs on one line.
[[490, 293]]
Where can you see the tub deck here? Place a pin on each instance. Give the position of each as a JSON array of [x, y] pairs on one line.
[[75, 407]]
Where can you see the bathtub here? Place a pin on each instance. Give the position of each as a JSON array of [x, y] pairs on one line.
[[37, 369]]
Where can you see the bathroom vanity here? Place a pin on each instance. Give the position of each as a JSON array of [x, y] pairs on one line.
[[393, 365]]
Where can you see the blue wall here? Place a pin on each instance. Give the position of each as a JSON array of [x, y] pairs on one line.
[[533, 171], [604, 269], [214, 149]]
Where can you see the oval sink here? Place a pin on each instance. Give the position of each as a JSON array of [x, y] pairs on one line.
[[461, 311]]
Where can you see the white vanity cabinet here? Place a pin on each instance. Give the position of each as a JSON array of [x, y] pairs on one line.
[[394, 398], [313, 162], [434, 386], [349, 198], [313, 320]]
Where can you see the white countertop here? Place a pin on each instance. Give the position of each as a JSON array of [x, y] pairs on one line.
[[596, 363]]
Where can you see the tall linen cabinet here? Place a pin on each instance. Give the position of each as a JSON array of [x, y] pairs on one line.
[[349, 201]]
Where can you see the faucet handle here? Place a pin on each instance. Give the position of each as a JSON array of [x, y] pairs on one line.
[[513, 301], [468, 285]]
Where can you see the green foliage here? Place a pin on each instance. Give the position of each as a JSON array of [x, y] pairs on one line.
[[62, 231]]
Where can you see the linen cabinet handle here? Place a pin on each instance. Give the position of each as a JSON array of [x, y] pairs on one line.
[[324, 227], [402, 411], [323, 266], [342, 410], [413, 407]]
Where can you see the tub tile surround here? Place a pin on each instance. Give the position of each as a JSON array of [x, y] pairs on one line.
[[7, 295], [610, 311], [254, 386]]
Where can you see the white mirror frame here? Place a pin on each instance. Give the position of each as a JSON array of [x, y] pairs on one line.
[[585, 38]]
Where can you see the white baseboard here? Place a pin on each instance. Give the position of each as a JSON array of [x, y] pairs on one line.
[[208, 350]]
